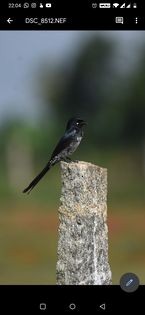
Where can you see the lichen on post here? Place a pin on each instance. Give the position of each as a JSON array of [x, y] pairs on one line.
[[83, 232]]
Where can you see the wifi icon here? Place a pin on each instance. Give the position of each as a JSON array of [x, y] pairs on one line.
[[115, 5]]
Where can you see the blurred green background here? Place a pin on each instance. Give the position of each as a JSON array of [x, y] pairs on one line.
[[46, 78]]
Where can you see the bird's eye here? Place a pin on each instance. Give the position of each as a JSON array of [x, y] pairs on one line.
[[77, 123]]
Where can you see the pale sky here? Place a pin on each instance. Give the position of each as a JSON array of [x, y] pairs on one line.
[[22, 51]]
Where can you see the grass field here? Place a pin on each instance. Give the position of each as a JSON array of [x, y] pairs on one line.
[[28, 223], [28, 244]]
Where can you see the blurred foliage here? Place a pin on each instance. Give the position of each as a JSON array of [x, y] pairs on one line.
[[95, 87]]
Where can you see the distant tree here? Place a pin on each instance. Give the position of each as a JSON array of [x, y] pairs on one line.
[[80, 86], [92, 85]]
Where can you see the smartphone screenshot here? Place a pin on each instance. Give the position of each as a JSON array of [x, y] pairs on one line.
[[72, 157]]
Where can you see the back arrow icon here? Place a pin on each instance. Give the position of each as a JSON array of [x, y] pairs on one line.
[[9, 20], [103, 306]]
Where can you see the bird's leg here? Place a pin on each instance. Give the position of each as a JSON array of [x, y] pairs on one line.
[[67, 159], [75, 161]]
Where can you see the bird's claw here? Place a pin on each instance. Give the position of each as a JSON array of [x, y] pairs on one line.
[[68, 160], [75, 161]]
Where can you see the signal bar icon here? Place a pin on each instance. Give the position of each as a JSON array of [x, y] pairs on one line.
[[128, 6], [124, 5]]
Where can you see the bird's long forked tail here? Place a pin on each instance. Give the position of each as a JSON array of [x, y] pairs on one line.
[[38, 177]]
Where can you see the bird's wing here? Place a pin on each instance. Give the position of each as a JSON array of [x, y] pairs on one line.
[[64, 142]]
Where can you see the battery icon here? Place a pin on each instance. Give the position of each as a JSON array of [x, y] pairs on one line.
[[105, 5], [48, 5]]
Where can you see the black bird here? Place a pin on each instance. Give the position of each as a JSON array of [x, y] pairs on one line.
[[65, 147]]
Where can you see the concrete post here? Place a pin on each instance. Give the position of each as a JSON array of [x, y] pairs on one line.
[[83, 232]]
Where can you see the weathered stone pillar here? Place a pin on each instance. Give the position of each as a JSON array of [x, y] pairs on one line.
[[83, 232]]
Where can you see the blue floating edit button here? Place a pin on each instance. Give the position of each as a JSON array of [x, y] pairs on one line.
[[129, 282]]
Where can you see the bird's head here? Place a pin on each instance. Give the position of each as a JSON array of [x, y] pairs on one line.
[[75, 123]]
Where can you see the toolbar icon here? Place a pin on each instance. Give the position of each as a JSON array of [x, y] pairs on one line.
[[119, 20], [136, 20], [129, 282], [42, 306], [48, 5], [26, 5], [33, 5], [103, 306], [94, 5], [9, 20], [72, 306]]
